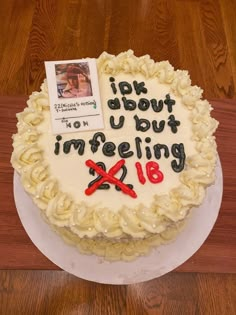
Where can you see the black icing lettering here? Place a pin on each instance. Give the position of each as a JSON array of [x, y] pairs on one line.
[[148, 153], [57, 145], [123, 148], [114, 103], [156, 107], [157, 150], [109, 148], [95, 143], [143, 104], [120, 123], [57, 148], [139, 87], [173, 123], [113, 86], [129, 104], [142, 124], [123, 175], [161, 126], [92, 172], [148, 149], [178, 152], [138, 147], [169, 102], [125, 88], [77, 143]]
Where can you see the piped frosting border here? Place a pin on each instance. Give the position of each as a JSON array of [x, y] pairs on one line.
[[87, 227]]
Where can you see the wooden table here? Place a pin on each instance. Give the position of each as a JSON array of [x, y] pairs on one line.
[[194, 35]]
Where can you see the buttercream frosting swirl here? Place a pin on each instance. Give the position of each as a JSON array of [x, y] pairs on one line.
[[60, 209]]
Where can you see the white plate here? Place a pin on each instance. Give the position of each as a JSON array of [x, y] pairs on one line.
[[160, 261]]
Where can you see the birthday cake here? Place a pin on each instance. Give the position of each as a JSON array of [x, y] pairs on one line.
[[118, 191]]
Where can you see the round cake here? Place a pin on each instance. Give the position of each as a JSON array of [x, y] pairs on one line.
[[119, 191]]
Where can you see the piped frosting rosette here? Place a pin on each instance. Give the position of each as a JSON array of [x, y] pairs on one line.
[[130, 232]]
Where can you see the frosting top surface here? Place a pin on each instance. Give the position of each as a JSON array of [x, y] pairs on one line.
[[70, 169]]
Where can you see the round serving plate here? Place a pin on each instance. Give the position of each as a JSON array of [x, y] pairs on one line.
[[160, 261]]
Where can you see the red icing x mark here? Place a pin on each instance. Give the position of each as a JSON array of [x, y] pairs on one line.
[[108, 177]]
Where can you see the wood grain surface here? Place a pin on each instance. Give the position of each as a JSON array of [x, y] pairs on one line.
[[192, 34], [46, 292], [195, 35]]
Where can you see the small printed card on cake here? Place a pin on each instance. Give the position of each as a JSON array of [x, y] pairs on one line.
[[74, 95]]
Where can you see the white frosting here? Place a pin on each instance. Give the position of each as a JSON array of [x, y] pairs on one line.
[[70, 180], [57, 182]]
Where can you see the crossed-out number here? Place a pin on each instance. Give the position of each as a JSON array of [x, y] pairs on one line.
[[108, 177]]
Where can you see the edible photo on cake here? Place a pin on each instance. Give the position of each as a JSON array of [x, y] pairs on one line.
[[73, 80]]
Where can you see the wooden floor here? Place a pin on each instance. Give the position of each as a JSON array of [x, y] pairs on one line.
[[196, 35]]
